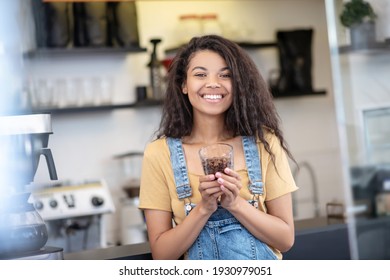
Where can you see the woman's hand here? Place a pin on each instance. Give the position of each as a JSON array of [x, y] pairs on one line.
[[230, 184], [210, 191]]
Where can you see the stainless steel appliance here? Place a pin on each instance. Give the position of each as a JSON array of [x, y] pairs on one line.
[[133, 227], [23, 233], [74, 214]]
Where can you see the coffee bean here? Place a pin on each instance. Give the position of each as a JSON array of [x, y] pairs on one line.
[[216, 164]]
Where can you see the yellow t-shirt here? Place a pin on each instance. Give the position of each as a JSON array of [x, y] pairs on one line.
[[158, 190]]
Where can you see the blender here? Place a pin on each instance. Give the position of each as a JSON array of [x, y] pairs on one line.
[[23, 140]]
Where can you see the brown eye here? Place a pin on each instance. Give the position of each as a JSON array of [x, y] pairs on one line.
[[226, 76]]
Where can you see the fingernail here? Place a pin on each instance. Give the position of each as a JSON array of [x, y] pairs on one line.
[[220, 180]]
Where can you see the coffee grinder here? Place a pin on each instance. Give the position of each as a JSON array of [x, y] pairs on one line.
[[23, 140], [156, 76]]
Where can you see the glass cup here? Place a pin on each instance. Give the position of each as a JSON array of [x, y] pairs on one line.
[[44, 93], [216, 157]]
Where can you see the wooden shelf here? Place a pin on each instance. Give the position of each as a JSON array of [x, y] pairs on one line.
[[259, 45], [83, 51], [298, 93], [375, 48], [100, 108]]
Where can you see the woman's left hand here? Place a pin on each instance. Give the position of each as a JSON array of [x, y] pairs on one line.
[[230, 183]]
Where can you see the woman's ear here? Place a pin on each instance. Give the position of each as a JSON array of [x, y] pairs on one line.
[[184, 89]]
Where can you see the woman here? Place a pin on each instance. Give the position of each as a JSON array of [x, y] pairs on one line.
[[215, 94]]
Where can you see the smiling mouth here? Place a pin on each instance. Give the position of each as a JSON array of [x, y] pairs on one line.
[[212, 96]]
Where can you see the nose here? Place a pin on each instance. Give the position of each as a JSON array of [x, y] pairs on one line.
[[213, 85]]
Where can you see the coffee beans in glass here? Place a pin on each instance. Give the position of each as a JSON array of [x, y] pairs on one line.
[[216, 157]]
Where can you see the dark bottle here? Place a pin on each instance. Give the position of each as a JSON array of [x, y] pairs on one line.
[[156, 77]]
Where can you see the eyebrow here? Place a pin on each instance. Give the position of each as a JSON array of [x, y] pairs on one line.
[[204, 69]]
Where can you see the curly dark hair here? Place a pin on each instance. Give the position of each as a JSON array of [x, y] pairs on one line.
[[252, 109]]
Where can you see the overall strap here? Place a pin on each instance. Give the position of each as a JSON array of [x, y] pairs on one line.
[[252, 159], [179, 167]]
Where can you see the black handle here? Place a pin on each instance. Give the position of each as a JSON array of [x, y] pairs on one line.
[[50, 163]]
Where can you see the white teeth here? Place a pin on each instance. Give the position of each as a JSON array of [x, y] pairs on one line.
[[212, 96]]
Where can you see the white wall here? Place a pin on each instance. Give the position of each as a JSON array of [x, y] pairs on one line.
[[83, 144], [366, 86], [364, 82]]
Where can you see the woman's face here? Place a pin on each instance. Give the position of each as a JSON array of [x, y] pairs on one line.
[[208, 84]]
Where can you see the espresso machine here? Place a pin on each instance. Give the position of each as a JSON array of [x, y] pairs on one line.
[[23, 232]]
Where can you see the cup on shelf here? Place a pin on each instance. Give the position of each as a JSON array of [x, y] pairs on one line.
[[44, 93], [90, 92], [61, 91], [74, 92], [106, 91], [99, 90]]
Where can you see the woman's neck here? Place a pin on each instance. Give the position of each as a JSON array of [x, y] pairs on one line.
[[208, 131]]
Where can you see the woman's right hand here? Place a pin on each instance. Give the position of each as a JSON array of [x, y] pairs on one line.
[[210, 191]]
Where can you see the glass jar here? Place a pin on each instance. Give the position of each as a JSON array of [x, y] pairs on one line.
[[22, 229]]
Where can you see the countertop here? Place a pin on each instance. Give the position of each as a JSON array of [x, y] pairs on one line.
[[141, 251], [315, 239], [320, 239]]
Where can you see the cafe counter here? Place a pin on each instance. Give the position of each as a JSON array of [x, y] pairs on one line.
[[315, 239]]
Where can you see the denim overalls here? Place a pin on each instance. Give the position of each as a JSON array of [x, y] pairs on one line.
[[223, 237]]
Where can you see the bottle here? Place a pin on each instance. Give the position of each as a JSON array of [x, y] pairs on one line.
[[156, 77]]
